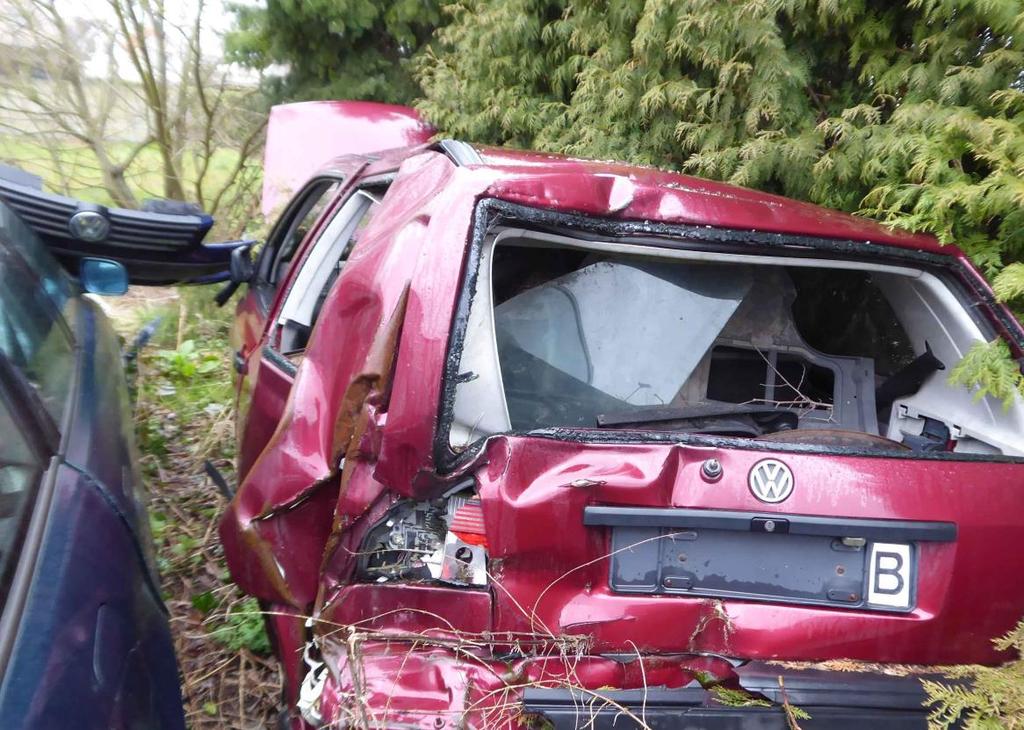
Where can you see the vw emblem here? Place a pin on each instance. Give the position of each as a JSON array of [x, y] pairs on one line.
[[770, 481]]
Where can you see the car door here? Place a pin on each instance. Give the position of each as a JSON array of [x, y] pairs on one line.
[[83, 631], [301, 216], [270, 369]]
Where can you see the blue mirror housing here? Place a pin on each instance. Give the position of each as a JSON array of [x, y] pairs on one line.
[[103, 276]]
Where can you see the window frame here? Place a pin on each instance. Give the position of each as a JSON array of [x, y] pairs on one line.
[[267, 262], [375, 188], [962, 283]]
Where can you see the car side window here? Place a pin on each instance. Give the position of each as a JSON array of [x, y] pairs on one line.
[[321, 269], [33, 337], [312, 207], [21, 467], [33, 251]]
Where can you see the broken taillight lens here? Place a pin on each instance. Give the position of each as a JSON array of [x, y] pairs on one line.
[[468, 523], [442, 540]]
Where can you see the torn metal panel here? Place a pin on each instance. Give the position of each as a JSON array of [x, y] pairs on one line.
[[454, 685], [277, 557], [353, 418], [357, 432]]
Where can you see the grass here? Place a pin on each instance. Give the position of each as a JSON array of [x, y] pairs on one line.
[[82, 177], [183, 392], [73, 170]]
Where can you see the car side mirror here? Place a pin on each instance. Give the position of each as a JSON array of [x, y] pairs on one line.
[[242, 268], [103, 276]]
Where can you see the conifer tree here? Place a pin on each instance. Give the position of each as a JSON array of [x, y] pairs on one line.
[[334, 49], [908, 111]]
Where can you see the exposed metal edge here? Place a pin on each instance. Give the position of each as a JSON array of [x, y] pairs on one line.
[[692, 694], [461, 153], [896, 530], [280, 360]]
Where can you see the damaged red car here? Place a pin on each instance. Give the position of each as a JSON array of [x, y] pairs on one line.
[[531, 439]]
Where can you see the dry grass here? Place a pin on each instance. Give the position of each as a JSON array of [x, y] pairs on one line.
[[183, 416]]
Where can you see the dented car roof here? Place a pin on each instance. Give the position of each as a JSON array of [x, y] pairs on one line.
[[633, 192]]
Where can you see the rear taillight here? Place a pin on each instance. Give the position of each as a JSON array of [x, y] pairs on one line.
[[468, 523], [441, 540]]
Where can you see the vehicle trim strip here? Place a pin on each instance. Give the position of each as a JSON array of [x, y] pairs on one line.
[[871, 529], [461, 153], [280, 360]]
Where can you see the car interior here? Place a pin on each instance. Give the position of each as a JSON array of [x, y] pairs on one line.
[[592, 334]]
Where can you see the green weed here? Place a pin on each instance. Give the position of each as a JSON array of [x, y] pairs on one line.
[[242, 627], [186, 361]]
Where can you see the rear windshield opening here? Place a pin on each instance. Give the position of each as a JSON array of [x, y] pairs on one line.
[[738, 375], [593, 335]]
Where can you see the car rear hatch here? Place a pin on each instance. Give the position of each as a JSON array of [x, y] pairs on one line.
[[874, 559], [732, 450]]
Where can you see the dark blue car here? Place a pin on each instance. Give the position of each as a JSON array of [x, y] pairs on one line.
[[84, 639]]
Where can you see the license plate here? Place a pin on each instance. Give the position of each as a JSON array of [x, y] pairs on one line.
[[805, 569]]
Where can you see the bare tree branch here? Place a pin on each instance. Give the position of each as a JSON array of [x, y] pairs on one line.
[[130, 87]]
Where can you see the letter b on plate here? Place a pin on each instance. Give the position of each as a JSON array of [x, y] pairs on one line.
[[889, 575]]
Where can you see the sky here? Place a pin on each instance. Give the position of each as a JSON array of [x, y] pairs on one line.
[[217, 20]]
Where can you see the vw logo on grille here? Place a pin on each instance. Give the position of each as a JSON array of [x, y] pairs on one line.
[[770, 481]]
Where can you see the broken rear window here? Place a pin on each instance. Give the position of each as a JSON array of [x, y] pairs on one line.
[[613, 335]]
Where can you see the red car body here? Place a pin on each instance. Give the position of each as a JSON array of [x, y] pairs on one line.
[[335, 437]]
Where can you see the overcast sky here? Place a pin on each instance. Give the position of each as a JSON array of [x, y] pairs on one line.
[[217, 20]]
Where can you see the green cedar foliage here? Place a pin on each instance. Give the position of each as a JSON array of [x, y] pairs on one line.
[[988, 369], [992, 700], [911, 112], [334, 49]]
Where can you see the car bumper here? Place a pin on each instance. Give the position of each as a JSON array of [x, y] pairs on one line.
[[831, 699], [412, 685]]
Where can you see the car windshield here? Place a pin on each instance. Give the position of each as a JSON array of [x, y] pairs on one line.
[[599, 336]]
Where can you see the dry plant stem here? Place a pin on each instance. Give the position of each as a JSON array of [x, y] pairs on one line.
[[355, 662], [241, 689], [182, 320], [791, 719], [802, 401]]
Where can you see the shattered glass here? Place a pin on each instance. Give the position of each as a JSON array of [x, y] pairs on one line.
[[611, 334]]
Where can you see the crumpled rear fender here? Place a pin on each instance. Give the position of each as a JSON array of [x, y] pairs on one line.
[[453, 684], [279, 523]]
